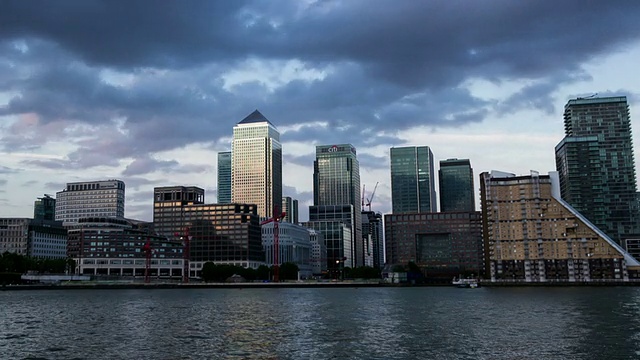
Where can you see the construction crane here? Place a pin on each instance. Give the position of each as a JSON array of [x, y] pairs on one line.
[[363, 187], [275, 219], [148, 251], [186, 254], [369, 200]]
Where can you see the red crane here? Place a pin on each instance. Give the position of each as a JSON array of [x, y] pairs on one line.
[[186, 255], [147, 266], [275, 219]]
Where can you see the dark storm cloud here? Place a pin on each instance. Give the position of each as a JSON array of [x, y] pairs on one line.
[[389, 66]]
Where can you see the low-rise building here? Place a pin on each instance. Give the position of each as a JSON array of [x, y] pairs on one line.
[[35, 238], [294, 246]]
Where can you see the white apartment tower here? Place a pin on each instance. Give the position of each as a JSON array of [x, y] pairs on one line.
[[90, 199], [256, 164]]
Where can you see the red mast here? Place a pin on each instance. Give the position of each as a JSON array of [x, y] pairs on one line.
[[185, 271], [275, 219]]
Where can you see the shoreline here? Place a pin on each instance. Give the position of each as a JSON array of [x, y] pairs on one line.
[[292, 285]]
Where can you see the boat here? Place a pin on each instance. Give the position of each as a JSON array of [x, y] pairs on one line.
[[465, 283]]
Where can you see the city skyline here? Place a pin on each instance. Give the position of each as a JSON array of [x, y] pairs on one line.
[[154, 110]]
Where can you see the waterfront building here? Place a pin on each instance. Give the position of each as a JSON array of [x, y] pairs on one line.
[[290, 208], [532, 235], [318, 252], [456, 185], [90, 199], [443, 245], [256, 164], [38, 238], [45, 208], [224, 177], [168, 208], [336, 197], [114, 247], [595, 162], [412, 180], [373, 234], [294, 246]]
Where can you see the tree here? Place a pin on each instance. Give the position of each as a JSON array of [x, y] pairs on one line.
[[263, 272], [289, 271]]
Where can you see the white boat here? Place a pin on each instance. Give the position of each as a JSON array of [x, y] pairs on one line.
[[465, 283]]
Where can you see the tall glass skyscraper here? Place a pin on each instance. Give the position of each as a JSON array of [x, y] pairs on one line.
[[412, 180], [224, 177], [256, 164], [596, 166], [456, 185], [336, 181]]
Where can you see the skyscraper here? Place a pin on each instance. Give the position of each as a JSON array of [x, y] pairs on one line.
[[596, 166], [90, 199], [412, 180], [256, 164], [224, 177], [336, 182], [456, 185]]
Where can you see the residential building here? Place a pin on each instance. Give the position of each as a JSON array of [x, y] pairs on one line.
[[294, 246], [532, 235], [336, 197], [412, 180], [256, 164], [45, 208], [456, 185], [224, 177], [372, 232], [290, 208], [114, 247], [595, 162], [443, 245], [90, 199]]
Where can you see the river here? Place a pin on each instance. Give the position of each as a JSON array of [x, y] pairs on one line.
[[334, 323]]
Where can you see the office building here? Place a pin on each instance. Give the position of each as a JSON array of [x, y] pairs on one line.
[[595, 163], [224, 177], [337, 238], [36, 238], [90, 199], [532, 235], [318, 252], [373, 234], [45, 208], [256, 164], [443, 245], [290, 208], [413, 186], [456, 185], [168, 208], [294, 246], [336, 197]]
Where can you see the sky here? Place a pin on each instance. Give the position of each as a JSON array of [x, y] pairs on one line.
[[148, 92]]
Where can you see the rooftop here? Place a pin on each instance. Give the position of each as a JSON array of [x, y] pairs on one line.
[[255, 117]]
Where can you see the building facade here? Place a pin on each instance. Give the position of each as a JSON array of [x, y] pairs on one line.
[[114, 247], [595, 162], [412, 180], [372, 232], [37, 238], [294, 246], [90, 199], [318, 252], [168, 208], [443, 245], [45, 208], [336, 192], [532, 235], [290, 208], [456, 185], [256, 164], [337, 242], [224, 177]]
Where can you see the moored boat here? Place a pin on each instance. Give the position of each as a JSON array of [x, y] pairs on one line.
[[465, 283]]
